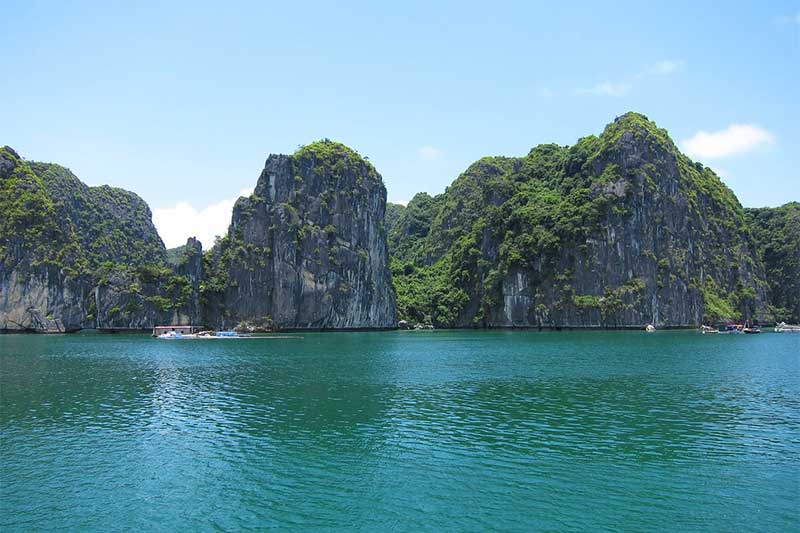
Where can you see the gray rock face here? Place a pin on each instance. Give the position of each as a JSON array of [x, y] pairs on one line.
[[43, 300], [73, 256], [149, 295], [650, 260], [190, 267], [776, 231], [108, 223], [620, 230], [36, 291], [308, 249]]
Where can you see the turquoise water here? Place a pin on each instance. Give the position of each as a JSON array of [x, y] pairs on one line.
[[600, 431]]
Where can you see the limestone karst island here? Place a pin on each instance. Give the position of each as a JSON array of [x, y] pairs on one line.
[[619, 230], [399, 266]]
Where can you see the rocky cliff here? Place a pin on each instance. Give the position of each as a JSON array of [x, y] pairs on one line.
[[617, 230], [307, 249], [73, 256], [777, 234]]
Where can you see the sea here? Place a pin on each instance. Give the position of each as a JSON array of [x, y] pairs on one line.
[[401, 431]]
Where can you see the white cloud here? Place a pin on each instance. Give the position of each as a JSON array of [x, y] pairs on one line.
[[176, 224], [429, 153], [735, 139]]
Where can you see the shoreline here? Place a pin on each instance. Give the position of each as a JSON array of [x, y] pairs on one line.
[[148, 331]]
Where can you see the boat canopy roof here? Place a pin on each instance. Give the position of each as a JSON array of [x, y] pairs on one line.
[[183, 329]]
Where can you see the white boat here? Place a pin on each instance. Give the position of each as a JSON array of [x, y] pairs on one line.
[[180, 335], [187, 332], [191, 332], [176, 335], [220, 335], [650, 328], [708, 330], [783, 327]]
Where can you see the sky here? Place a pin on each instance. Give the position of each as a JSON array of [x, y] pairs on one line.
[[183, 102]]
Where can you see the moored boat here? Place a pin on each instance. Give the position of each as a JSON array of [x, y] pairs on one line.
[[783, 327], [731, 329], [188, 332], [176, 335], [208, 334], [750, 329], [734, 329], [191, 332]]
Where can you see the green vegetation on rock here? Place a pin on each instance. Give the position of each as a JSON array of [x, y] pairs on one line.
[[307, 248], [620, 229], [777, 233], [87, 256], [111, 224], [31, 232], [625, 209]]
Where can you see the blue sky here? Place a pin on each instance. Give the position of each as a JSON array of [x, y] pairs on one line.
[[182, 103]]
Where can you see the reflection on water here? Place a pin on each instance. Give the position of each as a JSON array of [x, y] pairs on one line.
[[401, 430]]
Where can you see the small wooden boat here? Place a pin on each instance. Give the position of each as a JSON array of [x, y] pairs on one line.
[[752, 330], [731, 329]]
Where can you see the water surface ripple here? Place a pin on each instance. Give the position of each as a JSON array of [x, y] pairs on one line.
[[601, 431]]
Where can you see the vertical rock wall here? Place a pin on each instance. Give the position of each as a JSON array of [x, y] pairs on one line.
[[308, 249]]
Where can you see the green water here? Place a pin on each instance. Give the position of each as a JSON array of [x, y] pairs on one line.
[[602, 431]]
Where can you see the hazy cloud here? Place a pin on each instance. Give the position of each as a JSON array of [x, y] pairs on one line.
[[429, 153], [606, 88], [788, 19], [178, 223], [735, 139], [721, 172], [620, 88], [662, 68], [545, 93]]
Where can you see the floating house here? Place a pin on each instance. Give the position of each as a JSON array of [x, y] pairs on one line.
[[183, 330]]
